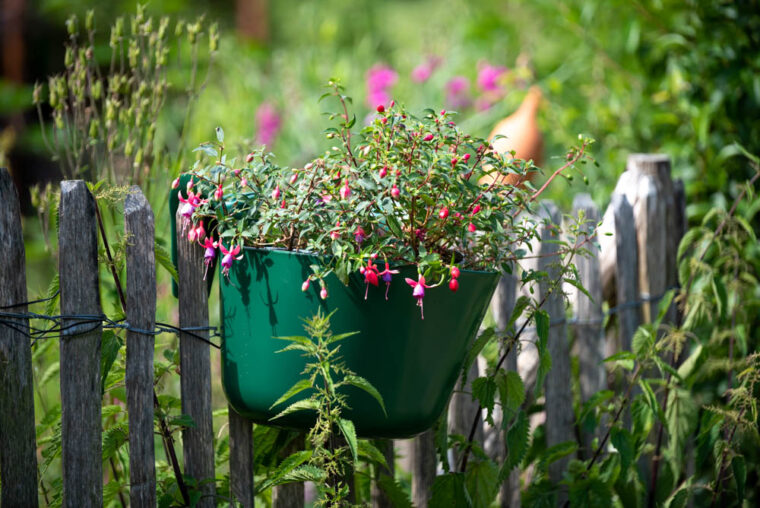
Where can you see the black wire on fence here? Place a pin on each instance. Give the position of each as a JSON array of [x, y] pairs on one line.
[[70, 325]]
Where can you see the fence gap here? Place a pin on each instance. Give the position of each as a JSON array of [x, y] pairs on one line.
[[195, 366], [241, 459], [80, 348], [141, 314], [589, 340], [18, 461]]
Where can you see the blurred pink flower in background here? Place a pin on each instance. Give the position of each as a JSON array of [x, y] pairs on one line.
[[489, 77], [423, 71], [380, 78], [268, 123], [458, 92]]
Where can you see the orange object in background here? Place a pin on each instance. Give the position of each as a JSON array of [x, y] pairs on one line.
[[522, 136]]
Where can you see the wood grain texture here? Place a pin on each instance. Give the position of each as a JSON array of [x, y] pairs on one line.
[[80, 348], [18, 461], [195, 366], [241, 459], [462, 410], [423, 467], [502, 305], [626, 270], [589, 339], [559, 400], [141, 314]]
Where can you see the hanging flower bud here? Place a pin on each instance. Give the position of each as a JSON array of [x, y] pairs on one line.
[[323, 294], [345, 191], [472, 228], [383, 171], [455, 272], [305, 285], [466, 157], [276, 193], [218, 193], [249, 158], [428, 137], [175, 183], [443, 213], [476, 209], [453, 285], [380, 109], [395, 192]]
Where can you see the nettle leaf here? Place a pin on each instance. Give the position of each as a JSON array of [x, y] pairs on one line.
[[622, 440], [368, 451], [207, 149], [680, 498], [511, 389], [299, 405], [484, 390], [301, 385], [113, 439], [739, 467], [541, 494], [518, 441], [395, 493], [220, 134], [349, 432], [544, 366], [642, 341], [542, 328], [441, 430], [110, 344], [682, 415], [363, 384], [590, 492], [651, 399], [556, 452], [482, 482], [520, 306], [449, 490]]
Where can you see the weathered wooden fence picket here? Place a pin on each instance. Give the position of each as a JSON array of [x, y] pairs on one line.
[[634, 267]]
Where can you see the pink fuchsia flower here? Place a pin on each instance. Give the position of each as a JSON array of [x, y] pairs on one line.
[[395, 192], [386, 275], [370, 276], [175, 183], [268, 122], [345, 191], [380, 78], [359, 235], [471, 228], [443, 213], [428, 137], [209, 254], [196, 233], [475, 209], [419, 291], [489, 78], [335, 233], [229, 256], [423, 71], [323, 293], [276, 193], [383, 171], [454, 272], [189, 204], [458, 92], [218, 193]]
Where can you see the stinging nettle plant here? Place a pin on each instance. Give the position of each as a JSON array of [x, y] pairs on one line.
[[402, 191]]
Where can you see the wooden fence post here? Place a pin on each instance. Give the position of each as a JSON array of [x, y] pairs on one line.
[[589, 339], [241, 459], [423, 467], [626, 270], [502, 304], [141, 314], [195, 366], [559, 400], [462, 410], [18, 460], [80, 348]]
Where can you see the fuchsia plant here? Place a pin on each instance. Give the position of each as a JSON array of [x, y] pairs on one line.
[[402, 191]]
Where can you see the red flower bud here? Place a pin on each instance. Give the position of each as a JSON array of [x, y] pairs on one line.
[[466, 157], [394, 191], [453, 285], [472, 228], [381, 109], [455, 272], [249, 158], [428, 137], [454, 161], [476, 209], [305, 285], [443, 213], [383, 171]]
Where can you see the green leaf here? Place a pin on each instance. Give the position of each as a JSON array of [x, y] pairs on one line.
[[52, 371], [739, 467], [651, 399], [622, 440], [394, 492], [511, 389], [220, 134], [110, 344], [336, 338], [518, 439], [299, 405], [482, 482], [520, 306], [164, 259], [441, 430], [541, 494], [542, 328], [664, 305], [556, 452], [363, 384], [113, 439], [577, 285], [303, 384], [642, 341], [183, 420], [679, 499], [208, 150], [624, 359], [349, 432], [367, 450], [484, 390], [688, 366], [449, 491], [544, 366], [477, 346]]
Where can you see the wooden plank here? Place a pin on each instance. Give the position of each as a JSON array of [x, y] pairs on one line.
[[291, 495], [502, 304], [626, 270], [195, 366], [589, 339], [560, 418], [141, 314], [80, 348], [241, 459], [18, 460], [423, 467], [379, 498], [462, 410]]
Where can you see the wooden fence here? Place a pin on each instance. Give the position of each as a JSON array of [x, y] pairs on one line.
[[633, 268]]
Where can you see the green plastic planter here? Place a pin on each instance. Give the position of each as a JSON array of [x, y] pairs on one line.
[[413, 363]]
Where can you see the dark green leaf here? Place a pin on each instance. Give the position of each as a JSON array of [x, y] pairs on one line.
[[110, 343], [518, 439], [395, 493], [449, 491], [482, 482], [739, 467], [349, 432], [477, 346], [622, 440], [303, 384], [299, 405]]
